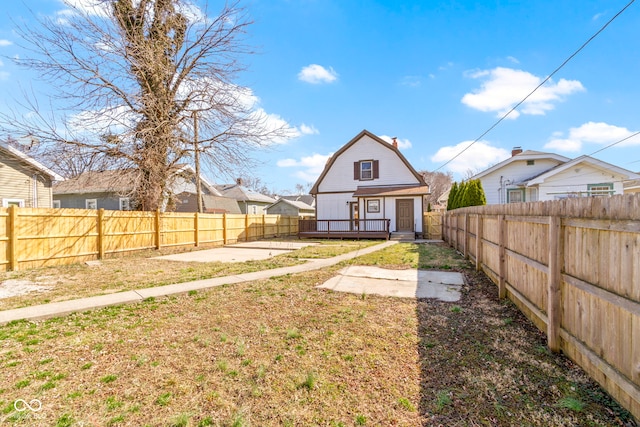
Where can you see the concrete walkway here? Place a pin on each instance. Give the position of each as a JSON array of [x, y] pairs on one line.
[[62, 308]]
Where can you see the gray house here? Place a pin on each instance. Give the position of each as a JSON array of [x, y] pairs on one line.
[[112, 190], [250, 202], [24, 182], [291, 208]]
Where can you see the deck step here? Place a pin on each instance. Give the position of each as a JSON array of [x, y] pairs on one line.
[[404, 236]]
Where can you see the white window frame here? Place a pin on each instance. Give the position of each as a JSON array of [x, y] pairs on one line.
[[600, 190], [515, 191], [89, 202], [124, 204], [364, 172], [56, 204], [8, 202]]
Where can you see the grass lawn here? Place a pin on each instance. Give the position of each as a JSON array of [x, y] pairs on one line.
[[280, 352]]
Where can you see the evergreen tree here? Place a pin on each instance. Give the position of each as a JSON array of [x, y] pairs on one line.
[[452, 196]]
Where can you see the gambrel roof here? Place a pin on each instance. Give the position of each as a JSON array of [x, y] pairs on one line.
[[332, 159]]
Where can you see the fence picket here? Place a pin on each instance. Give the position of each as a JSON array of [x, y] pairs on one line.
[[587, 297]]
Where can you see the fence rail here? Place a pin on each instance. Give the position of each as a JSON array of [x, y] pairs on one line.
[[31, 238], [573, 267]]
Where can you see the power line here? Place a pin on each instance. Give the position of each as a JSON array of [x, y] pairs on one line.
[[615, 143], [539, 86]]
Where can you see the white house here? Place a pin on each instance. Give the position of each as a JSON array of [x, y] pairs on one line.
[[532, 176], [370, 179]]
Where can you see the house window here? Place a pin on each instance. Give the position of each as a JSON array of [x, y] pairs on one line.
[[91, 204], [600, 189], [515, 195], [254, 209], [56, 204], [531, 162], [12, 202], [373, 206], [124, 204], [366, 170]]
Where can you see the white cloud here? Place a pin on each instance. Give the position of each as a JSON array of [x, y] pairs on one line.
[[310, 167], [411, 81], [502, 88], [403, 144], [478, 157], [316, 74], [89, 7], [4, 42], [308, 130], [513, 59], [101, 8], [599, 133]]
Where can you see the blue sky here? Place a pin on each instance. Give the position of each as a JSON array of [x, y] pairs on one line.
[[435, 74]]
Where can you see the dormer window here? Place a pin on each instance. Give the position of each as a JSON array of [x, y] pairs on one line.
[[365, 170]]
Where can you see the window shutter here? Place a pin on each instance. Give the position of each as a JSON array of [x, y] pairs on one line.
[[376, 169], [356, 171]]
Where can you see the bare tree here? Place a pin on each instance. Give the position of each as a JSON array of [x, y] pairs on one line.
[[439, 182], [129, 76]]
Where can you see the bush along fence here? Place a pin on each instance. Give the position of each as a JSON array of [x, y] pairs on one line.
[[573, 267], [31, 238]]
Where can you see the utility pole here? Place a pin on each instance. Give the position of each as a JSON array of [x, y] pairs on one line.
[[197, 160]]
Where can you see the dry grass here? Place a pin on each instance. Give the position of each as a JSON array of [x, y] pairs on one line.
[[281, 352], [140, 270]]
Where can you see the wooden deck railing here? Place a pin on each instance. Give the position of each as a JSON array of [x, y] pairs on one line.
[[344, 228]]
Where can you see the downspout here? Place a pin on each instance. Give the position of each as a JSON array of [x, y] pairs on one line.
[[34, 203]]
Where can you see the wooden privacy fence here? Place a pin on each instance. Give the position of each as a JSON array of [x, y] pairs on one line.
[[31, 238], [432, 225], [573, 267]]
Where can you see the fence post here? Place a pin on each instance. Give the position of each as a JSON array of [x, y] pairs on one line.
[[101, 233], [502, 236], [196, 227], [554, 277], [13, 238], [264, 221], [157, 225], [479, 224], [466, 236], [246, 227], [224, 228]]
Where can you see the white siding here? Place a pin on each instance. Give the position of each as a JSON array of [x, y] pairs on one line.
[[393, 171], [514, 172], [576, 180], [333, 206]]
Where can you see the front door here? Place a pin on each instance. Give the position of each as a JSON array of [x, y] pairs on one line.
[[404, 215]]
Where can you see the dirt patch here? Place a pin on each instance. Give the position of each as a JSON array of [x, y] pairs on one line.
[[15, 287]]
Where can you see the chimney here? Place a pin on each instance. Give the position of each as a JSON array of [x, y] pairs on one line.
[[239, 181], [516, 151], [395, 142]]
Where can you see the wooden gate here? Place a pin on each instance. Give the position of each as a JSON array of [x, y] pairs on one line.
[[432, 225]]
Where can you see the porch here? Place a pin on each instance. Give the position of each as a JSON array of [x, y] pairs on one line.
[[344, 228]]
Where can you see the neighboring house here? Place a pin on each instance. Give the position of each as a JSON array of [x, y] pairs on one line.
[[112, 189], [24, 182], [532, 176], [250, 202], [304, 198], [370, 179], [632, 186], [291, 208]]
